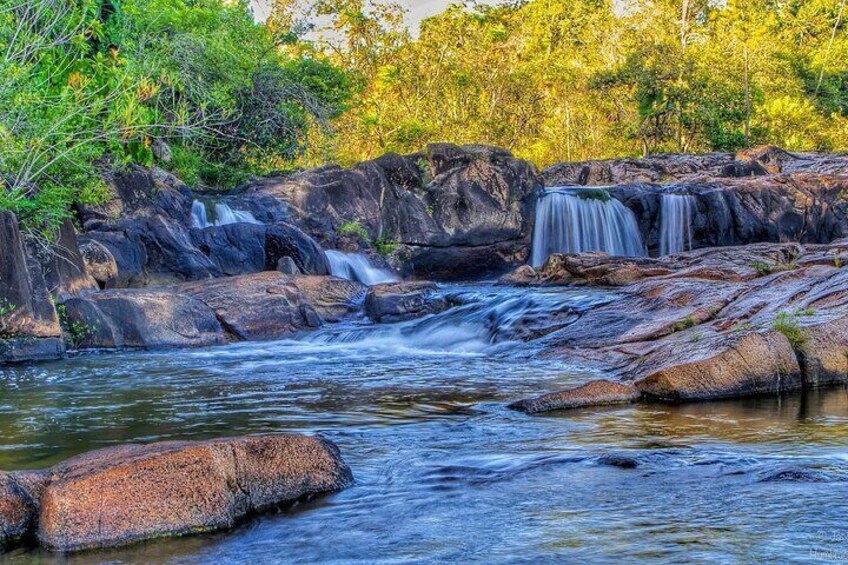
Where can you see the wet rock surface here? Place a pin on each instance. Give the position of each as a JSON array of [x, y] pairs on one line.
[[707, 324], [394, 302], [129, 493]]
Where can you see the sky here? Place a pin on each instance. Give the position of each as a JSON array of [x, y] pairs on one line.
[[417, 10]]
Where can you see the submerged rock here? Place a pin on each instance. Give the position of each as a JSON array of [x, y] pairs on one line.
[[129, 493], [620, 461], [595, 393]]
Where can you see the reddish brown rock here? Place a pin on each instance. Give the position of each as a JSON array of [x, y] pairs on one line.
[[595, 393], [266, 305], [129, 493], [17, 509], [331, 297]]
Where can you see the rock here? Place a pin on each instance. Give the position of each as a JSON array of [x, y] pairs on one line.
[[125, 494], [234, 249], [751, 364], [595, 393], [17, 511], [796, 475], [129, 255], [29, 326], [332, 297], [99, 262], [284, 240], [454, 206], [620, 461], [394, 302], [266, 305], [287, 266], [63, 266], [142, 318]]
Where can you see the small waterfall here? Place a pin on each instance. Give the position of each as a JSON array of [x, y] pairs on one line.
[[198, 215], [357, 267], [223, 215], [676, 223], [576, 220]]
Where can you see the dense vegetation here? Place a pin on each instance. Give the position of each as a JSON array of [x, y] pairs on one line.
[[200, 88]]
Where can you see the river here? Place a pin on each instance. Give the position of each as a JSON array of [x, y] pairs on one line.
[[444, 471]]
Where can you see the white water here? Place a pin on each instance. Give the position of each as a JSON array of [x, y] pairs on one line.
[[577, 220], [357, 267], [223, 215], [676, 223]]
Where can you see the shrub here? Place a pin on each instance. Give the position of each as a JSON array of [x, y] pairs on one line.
[[385, 246], [685, 323], [6, 311], [351, 228], [786, 324]]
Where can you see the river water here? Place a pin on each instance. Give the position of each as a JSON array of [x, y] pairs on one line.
[[444, 471]]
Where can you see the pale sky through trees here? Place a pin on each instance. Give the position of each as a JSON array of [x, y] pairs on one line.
[[417, 10]]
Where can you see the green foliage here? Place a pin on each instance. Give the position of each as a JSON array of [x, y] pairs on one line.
[[92, 83], [353, 228], [6, 310], [762, 268], [786, 324], [385, 246], [686, 323], [76, 333]]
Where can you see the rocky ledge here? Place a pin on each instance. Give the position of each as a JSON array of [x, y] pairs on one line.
[[708, 324], [129, 493]]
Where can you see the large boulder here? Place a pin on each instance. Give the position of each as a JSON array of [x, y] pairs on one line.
[[29, 325], [127, 252], [333, 298], [267, 305], [129, 493], [63, 265], [141, 318], [17, 510], [394, 302], [234, 249], [285, 240]]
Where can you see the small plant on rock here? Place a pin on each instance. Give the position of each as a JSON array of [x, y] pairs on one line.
[[353, 228], [385, 246], [76, 333], [786, 324], [6, 311], [685, 323], [762, 268]]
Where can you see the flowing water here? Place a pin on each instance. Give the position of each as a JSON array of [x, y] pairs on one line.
[[223, 215], [357, 267], [676, 223], [444, 471], [579, 219]]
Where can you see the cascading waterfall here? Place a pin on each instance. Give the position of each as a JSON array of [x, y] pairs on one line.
[[223, 215], [357, 267], [579, 219], [676, 223], [482, 319]]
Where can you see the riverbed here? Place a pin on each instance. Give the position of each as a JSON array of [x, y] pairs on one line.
[[444, 471]]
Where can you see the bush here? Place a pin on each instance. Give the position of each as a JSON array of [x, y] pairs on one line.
[[786, 324]]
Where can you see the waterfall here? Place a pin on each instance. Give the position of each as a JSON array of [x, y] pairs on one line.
[[357, 267], [198, 215], [676, 223], [576, 220], [224, 215]]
